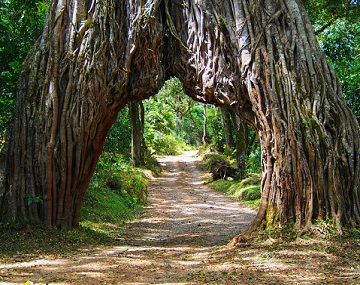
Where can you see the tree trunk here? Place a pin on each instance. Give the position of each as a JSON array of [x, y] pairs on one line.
[[261, 58], [228, 128], [91, 58], [241, 147], [136, 110], [258, 57], [233, 124], [204, 126]]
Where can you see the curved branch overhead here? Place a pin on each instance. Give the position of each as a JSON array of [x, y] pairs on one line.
[[259, 58]]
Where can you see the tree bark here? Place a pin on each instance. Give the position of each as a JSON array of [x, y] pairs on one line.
[[228, 128], [259, 58], [262, 59], [204, 126], [233, 124], [91, 58], [136, 110], [241, 147]]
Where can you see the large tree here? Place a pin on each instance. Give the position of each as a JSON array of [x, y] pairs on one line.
[[259, 57], [92, 57]]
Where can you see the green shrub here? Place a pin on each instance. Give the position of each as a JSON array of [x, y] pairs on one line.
[[253, 160], [247, 190], [168, 145], [119, 138], [222, 185], [211, 158], [251, 179], [134, 185], [113, 172], [116, 192], [152, 165], [248, 193], [208, 160]]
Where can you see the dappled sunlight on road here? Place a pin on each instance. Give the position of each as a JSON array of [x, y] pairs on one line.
[[185, 211], [295, 263], [182, 239]]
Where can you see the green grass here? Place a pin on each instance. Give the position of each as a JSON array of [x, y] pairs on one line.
[[221, 185], [103, 208], [247, 191], [40, 240], [169, 145], [116, 194]]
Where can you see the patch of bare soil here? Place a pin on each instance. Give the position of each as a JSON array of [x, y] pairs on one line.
[[182, 240]]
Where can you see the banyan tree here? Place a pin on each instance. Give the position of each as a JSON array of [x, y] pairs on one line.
[[259, 58]]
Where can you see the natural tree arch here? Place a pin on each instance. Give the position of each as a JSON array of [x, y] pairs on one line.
[[259, 58]]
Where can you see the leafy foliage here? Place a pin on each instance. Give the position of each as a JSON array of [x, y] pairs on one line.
[[21, 23], [342, 47], [36, 200], [215, 128], [168, 145], [324, 13], [337, 25], [114, 173], [186, 113], [172, 115], [119, 138], [116, 193], [253, 160], [162, 111]]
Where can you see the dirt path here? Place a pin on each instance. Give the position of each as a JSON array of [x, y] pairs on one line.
[[183, 211], [182, 240]]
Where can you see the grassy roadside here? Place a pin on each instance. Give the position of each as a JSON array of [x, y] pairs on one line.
[[116, 194], [321, 240], [321, 247], [246, 191]]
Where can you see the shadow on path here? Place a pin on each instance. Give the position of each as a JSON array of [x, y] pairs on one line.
[[184, 211], [180, 241]]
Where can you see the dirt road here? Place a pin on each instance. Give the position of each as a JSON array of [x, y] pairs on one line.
[[182, 240], [183, 211]]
